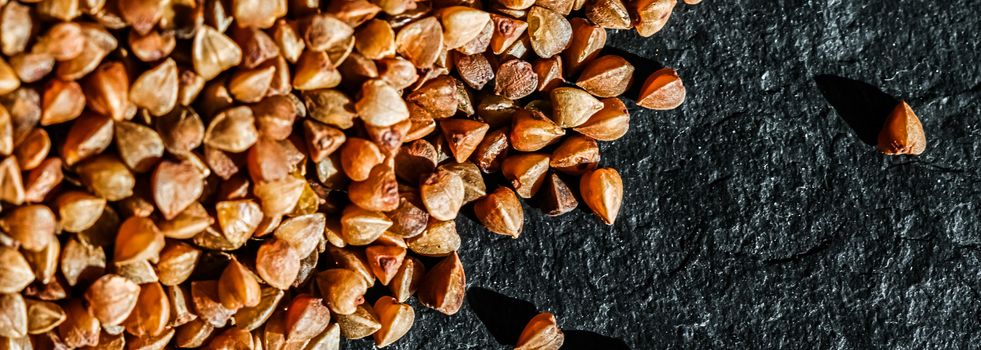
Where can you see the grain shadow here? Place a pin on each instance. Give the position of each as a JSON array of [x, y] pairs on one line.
[[862, 106], [505, 317]]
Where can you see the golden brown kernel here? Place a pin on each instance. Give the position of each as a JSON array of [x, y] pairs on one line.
[[46, 261], [409, 219], [181, 131], [15, 272], [16, 25], [515, 79], [42, 316], [353, 12], [277, 263], [557, 198], [361, 227], [287, 38], [314, 70], [609, 124], [549, 71], [473, 181], [652, 15], [306, 317], [232, 338], [80, 327], [107, 91], [375, 40], [381, 104], [479, 43], [193, 334], [252, 317], [461, 24], [602, 190], [395, 318], [548, 31], [321, 32], [11, 183], [526, 172], [436, 99], [24, 108], [275, 115], [607, 76], [237, 287], [331, 107], [575, 155], [663, 90], [388, 138], [29, 67], [156, 89], [258, 13], [98, 44], [32, 151], [175, 187], [442, 193], [439, 239], [81, 262], [13, 316], [78, 210], [279, 197], [420, 42], [444, 286], [152, 312], [138, 239], [232, 130], [462, 136], [213, 52], [902, 132], [587, 41], [572, 106], [397, 72], [531, 131], [407, 278], [180, 306], [379, 192], [501, 212], [475, 70], [343, 290], [42, 180], [207, 303], [358, 157], [142, 15], [139, 146], [111, 298], [359, 324], [541, 333], [89, 135], [153, 46], [507, 31], [177, 262], [62, 102], [251, 85], [32, 226], [492, 151], [610, 14], [107, 177]]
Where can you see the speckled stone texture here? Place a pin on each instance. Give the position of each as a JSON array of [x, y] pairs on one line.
[[755, 216]]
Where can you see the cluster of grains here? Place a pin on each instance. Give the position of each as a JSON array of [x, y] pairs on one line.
[[238, 174]]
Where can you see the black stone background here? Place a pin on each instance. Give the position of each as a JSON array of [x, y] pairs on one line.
[[755, 216]]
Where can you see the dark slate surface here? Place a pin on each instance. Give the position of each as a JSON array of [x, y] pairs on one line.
[[755, 216]]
